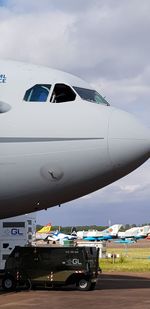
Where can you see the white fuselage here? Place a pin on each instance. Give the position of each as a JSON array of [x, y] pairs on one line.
[[51, 153]]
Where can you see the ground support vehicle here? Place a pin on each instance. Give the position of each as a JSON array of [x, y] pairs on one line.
[[51, 267]]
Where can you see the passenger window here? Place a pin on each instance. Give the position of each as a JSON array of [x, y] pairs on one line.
[[62, 93], [38, 93]]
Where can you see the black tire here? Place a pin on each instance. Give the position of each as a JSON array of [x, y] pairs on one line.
[[28, 284], [84, 284], [8, 283]]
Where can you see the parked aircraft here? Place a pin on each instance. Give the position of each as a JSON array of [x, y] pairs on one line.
[[43, 232], [133, 234], [60, 139], [143, 232], [107, 234], [57, 236]]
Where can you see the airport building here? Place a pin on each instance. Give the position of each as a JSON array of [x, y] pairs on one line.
[[16, 231]]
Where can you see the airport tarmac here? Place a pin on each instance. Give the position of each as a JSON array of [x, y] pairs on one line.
[[113, 291]]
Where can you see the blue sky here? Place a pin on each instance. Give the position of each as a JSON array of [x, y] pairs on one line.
[[106, 43], [2, 2]]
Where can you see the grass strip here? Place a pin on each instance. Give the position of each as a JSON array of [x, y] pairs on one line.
[[129, 260]]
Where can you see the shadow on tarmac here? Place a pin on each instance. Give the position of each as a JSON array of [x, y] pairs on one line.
[[112, 281]]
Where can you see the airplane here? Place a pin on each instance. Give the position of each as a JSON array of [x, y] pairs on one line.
[[57, 236], [107, 234], [142, 232], [60, 139], [133, 234], [43, 232], [130, 233]]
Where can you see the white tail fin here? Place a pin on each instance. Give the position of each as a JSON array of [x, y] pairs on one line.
[[112, 230]]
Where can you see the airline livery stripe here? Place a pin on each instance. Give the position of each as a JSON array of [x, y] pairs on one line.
[[43, 139]]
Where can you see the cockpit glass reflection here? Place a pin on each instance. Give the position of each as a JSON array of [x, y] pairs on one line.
[[90, 95], [38, 93]]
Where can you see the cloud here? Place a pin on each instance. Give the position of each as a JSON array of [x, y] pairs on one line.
[[130, 188], [106, 43], [90, 38]]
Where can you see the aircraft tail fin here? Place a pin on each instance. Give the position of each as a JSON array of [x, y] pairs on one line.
[[112, 230], [144, 230], [74, 231], [45, 229]]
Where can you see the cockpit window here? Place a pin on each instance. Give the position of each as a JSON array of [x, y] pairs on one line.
[[90, 95], [62, 93], [38, 93]]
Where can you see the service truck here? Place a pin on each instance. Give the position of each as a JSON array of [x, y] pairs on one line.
[[51, 267]]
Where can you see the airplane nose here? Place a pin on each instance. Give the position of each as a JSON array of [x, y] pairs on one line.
[[128, 141]]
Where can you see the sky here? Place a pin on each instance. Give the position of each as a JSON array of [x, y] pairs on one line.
[[106, 43]]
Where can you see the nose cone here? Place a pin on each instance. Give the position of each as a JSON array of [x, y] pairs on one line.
[[128, 141]]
